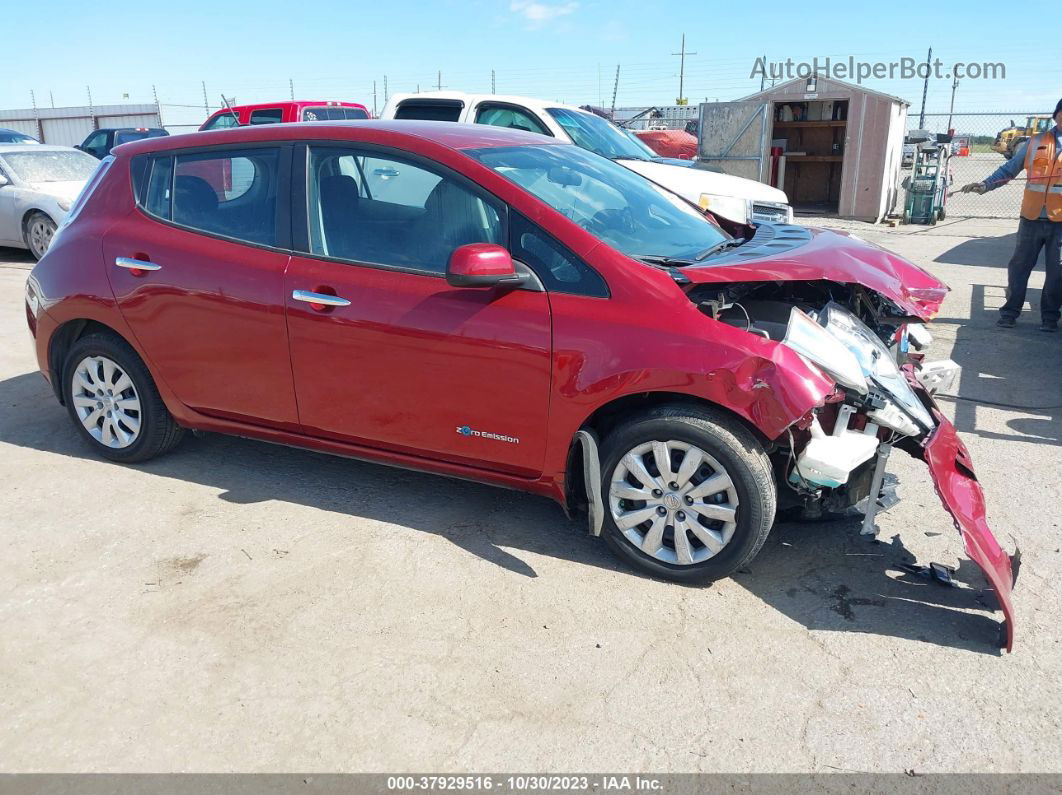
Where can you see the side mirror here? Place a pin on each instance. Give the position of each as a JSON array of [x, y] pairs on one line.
[[481, 265]]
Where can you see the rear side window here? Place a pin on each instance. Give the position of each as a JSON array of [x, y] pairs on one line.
[[430, 110], [333, 114], [232, 193], [267, 116]]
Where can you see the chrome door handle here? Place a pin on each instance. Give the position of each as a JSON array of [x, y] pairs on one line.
[[319, 298], [136, 264]]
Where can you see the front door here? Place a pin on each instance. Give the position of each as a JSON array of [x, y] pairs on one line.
[[208, 308], [397, 358]]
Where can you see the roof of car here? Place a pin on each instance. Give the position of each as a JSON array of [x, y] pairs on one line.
[[8, 148], [511, 99], [290, 103], [443, 133]]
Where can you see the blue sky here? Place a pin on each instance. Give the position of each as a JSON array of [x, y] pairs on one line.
[[558, 49]]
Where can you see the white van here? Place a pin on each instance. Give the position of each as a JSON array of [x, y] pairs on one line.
[[739, 199]]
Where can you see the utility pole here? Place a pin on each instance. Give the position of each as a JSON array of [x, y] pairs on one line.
[[51, 96], [206, 103], [493, 84], [615, 88], [925, 90], [92, 111], [438, 84], [37, 117], [291, 88], [763, 74], [158, 107], [951, 110], [385, 89], [682, 69], [374, 99]]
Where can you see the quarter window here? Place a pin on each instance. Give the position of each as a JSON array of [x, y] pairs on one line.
[[558, 268], [232, 194], [389, 211]]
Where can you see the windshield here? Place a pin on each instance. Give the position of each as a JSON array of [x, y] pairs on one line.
[[15, 137], [598, 135], [51, 166], [630, 213]]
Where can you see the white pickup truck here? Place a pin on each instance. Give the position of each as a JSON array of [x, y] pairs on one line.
[[741, 200]]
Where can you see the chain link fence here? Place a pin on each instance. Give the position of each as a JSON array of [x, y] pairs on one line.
[[986, 137]]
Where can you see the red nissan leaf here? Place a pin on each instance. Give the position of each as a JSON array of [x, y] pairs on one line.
[[494, 305]]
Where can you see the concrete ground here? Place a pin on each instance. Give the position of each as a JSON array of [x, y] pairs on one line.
[[236, 606]]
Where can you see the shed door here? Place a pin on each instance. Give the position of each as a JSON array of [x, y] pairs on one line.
[[734, 136]]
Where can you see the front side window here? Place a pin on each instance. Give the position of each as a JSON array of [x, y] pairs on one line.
[[267, 116], [599, 135], [511, 117], [222, 121], [232, 194], [333, 113], [430, 110], [385, 210], [630, 213], [95, 142]]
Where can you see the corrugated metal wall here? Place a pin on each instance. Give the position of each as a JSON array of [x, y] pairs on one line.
[[70, 126]]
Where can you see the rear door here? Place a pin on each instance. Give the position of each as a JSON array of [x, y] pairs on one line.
[[208, 311], [735, 136], [396, 358]]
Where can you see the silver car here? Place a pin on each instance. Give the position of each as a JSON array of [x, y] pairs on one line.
[[38, 183]]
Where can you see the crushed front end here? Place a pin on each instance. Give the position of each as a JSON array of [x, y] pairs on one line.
[[835, 457]]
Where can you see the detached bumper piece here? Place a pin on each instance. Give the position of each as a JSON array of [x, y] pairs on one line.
[[956, 484]]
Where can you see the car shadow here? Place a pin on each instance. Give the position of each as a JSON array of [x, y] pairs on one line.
[[824, 576], [1019, 368], [16, 258], [985, 252]]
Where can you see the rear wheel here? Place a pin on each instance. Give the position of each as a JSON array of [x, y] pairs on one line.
[[113, 402], [690, 494], [38, 232]]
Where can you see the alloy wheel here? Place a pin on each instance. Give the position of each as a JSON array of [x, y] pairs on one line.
[[674, 502], [106, 402], [41, 232]]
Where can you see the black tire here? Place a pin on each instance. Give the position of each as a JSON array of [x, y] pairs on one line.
[[735, 448], [158, 432], [37, 233]]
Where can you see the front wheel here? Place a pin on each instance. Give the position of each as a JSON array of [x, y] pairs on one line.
[[38, 233], [689, 491]]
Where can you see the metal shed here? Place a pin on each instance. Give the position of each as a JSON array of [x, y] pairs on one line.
[[833, 147], [70, 126]]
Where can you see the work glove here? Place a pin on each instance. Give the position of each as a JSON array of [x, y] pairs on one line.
[[974, 187]]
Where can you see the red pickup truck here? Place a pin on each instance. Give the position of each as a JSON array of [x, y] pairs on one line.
[[275, 112]]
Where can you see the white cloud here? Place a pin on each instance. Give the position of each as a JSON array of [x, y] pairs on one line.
[[538, 14]]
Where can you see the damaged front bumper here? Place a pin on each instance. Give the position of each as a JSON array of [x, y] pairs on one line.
[[956, 484]]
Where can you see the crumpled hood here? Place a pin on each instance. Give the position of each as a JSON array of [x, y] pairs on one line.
[[818, 254]]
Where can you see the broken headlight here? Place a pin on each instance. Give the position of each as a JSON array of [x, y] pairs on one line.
[[904, 412]]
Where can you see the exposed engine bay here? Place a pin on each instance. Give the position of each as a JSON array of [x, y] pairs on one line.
[[835, 458]]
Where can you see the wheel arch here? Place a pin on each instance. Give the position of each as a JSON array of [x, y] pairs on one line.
[[63, 338], [600, 422], [30, 212]]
